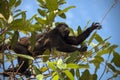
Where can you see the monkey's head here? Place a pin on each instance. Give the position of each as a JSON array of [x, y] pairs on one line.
[[24, 41], [63, 29]]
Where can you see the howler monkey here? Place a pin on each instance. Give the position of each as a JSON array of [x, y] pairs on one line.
[[58, 39]]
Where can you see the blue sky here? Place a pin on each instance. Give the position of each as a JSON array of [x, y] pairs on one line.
[[85, 10]]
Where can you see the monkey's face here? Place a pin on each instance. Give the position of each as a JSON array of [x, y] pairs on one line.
[[64, 30], [24, 41]]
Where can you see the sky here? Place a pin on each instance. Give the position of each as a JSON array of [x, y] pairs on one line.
[[86, 10]]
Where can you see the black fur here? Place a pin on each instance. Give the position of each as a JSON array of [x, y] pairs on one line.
[[58, 39]]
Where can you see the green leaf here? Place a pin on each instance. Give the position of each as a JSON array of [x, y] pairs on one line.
[[52, 5], [85, 75], [24, 56], [41, 1], [14, 39], [2, 17], [50, 17], [71, 32], [60, 64], [21, 25], [72, 58], [12, 2], [116, 59], [60, 2], [47, 53], [10, 19], [33, 40], [69, 74], [63, 15], [107, 38], [18, 14], [97, 61], [43, 69], [65, 10], [51, 65], [1, 55], [72, 65], [77, 74], [34, 16], [94, 77], [91, 38], [40, 77], [72, 72], [10, 57], [37, 71], [18, 10], [107, 50], [41, 21], [102, 52], [56, 77], [42, 5], [112, 47], [98, 38], [83, 66], [79, 30], [5, 8], [42, 12], [111, 67], [24, 15], [17, 24], [18, 3]]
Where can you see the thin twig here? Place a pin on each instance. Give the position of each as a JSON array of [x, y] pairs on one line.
[[115, 2], [19, 68], [103, 71]]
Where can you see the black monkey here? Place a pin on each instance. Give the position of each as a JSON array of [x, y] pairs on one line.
[[59, 39]]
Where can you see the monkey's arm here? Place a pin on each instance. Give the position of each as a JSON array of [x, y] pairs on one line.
[[67, 48], [79, 39], [64, 47]]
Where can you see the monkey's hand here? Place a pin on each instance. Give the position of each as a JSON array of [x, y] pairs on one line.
[[96, 26], [83, 48]]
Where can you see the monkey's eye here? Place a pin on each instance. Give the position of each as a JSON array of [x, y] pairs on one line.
[[67, 31]]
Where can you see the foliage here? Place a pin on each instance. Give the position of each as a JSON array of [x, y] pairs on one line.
[[56, 65]]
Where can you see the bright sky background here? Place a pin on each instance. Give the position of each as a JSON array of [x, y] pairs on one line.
[[85, 10]]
